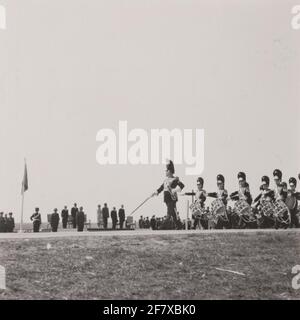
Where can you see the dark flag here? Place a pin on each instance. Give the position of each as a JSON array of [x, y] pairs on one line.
[[25, 180]]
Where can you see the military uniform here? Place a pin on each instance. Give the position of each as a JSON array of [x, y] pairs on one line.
[[292, 202], [147, 223], [99, 217], [54, 221], [10, 224], [6, 223], [170, 187], [36, 220], [64, 217], [114, 218], [244, 190], [200, 197], [80, 220], [105, 216], [153, 223], [74, 212], [2, 223], [244, 194], [222, 194], [280, 193], [121, 215], [141, 222], [266, 194]]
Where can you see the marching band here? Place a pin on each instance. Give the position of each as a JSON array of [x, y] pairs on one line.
[[277, 208]]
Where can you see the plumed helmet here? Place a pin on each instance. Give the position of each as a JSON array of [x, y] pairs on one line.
[[277, 174], [293, 181], [200, 181], [220, 178], [241, 176], [265, 179], [170, 166]]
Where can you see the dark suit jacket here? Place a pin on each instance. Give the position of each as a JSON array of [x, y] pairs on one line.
[[74, 212], [113, 215], [54, 219], [122, 214], [64, 214], [80, 218], [10, 224], [2, 224], [105, 212]]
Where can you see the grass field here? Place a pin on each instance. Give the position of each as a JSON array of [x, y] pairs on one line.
[[152, 267]]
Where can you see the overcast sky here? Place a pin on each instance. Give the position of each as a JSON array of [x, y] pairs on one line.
[[71, 67]]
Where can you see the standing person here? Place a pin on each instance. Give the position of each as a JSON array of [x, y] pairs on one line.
[[80, 219], [121, 214], [200, 198], [243, 194], [99, 216], [147, 223], [266, 196], [225, 219], [292, 202], [10, 223], [158, 223], [221, 193], [74, 211], [2, 223], [244, 190], [105, 215], [170, 187], [153, 223], [65, 217], [277, 177], [36, 220], [279, 191], [5, 223], [141, 222], [282, 220], [54, 221], [114, 218]]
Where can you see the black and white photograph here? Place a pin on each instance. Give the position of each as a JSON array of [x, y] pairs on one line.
[[149, 151]]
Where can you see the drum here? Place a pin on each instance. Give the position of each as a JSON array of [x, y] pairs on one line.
[[243, 209], [291, 202], [282, 212], [218, 210], [267, 208], [218, 207], [197, 209]]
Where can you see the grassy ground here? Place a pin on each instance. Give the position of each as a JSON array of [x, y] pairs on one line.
[[152, 267]]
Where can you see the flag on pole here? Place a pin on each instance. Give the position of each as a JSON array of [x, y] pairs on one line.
[[25, 180]]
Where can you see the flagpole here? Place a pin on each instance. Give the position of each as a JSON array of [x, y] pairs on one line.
[[22, 209], [22, 205]]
